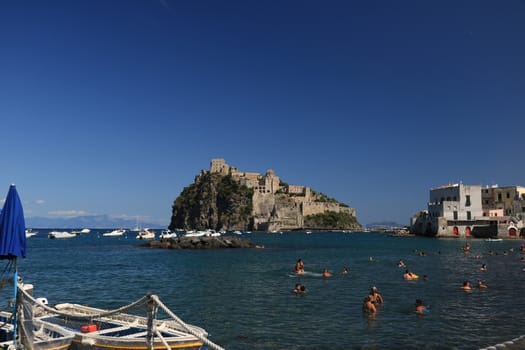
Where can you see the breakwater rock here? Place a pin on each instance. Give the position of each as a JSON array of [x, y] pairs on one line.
[[202, 243]]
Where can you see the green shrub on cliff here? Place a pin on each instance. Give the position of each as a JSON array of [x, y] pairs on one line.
[[331, 220]]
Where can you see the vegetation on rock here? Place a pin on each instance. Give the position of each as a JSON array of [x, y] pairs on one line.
[[213, 202], [331, 220]]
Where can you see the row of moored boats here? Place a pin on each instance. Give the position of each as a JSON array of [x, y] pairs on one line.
[[143, 234]]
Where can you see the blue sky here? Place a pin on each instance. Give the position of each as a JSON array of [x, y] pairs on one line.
[[112, 107]]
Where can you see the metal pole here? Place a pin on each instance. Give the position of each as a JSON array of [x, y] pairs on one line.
[[15, 310]]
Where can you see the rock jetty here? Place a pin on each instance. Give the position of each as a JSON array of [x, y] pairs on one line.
[[202, 243]]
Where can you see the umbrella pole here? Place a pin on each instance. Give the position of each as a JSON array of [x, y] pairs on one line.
[[15, 318]]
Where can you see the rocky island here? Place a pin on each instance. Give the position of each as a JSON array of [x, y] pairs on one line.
[[202, 243], [224, 198]]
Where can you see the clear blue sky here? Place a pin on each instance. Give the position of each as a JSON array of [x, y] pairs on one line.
[[112, 107]]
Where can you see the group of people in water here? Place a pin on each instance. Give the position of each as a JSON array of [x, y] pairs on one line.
[[373, 300]]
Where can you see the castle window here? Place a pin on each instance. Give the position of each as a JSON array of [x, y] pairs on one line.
[[469, 215], [455, 215], [508, 195], [467, 203]]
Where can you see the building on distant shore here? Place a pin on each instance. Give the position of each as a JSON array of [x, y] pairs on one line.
[[458, 210]]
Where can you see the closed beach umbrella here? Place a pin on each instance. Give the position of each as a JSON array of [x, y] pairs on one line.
[[12, 227], [13, 240]]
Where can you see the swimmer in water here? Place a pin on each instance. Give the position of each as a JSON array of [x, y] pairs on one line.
[[409, 275], [299, 289], [299, 266], [375, 297], [368, 306], [345, 270], [326, 273], [466, 286], [420, 308], [483, 267], [481, 284]]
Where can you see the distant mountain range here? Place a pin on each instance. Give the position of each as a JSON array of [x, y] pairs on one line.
[[92, 221], [384, 224]]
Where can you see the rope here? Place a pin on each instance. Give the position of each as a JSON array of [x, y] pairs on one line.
[[141, 301], [184, 325], [516, 343]]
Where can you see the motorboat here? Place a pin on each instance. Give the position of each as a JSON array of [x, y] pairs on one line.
[[99, 329], [205, 233], [146, 233], [30, 233], [167, 234], [60, 235], [115, 233], [83, 231]]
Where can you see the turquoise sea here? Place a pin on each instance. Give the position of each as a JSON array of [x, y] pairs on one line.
[[243, 297]]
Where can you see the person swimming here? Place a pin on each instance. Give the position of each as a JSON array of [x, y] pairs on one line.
[[326, 273], [299, 289], [345, 270], [481, 284], [466, 286], [299, 266], [420, 308], [409, 275]]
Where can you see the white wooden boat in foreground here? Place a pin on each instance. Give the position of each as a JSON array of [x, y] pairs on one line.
[[34, 334], [99, 329]]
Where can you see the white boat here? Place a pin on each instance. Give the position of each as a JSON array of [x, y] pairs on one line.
[[146, 233], [83, 231], [60, 235], [167, 234], [115, 233], [36, 334], [205, 233], [494, 240], [98, 329], [30, 233]]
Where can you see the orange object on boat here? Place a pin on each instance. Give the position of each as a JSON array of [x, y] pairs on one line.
[[89, 328]]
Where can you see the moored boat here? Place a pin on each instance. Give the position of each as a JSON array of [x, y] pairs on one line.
[[115, 233], [60, 234], [167, 234], [100, 329], [30, 233], [146, 233]]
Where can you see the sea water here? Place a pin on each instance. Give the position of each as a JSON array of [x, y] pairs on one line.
[[244, 299]]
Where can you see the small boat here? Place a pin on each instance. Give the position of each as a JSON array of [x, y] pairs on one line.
[[146, 233], [493, 240], [115, 233], [60, 235], [167, 234], [205, 233], [30, 233], [83, 231], [98, 329], [38, 336]]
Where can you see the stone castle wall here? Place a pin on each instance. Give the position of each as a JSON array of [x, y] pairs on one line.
[[273, 211]]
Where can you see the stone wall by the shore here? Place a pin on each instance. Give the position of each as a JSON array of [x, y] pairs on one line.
[[202, 243]]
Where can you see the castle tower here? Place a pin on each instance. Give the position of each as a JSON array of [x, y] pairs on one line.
[[218, 165]]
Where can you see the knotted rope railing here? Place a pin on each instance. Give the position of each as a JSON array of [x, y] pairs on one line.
[[145, 299]]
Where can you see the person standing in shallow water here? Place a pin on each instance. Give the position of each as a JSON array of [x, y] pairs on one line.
[[368, 306], [375, 297]]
